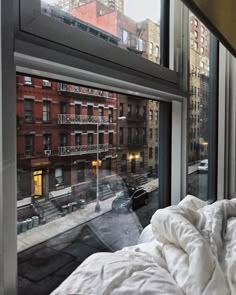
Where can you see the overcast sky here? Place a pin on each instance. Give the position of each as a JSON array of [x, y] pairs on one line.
[[142, 9], [138, 10]]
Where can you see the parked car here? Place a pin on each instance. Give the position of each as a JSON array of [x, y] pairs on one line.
[[130, 199], [203, 166]]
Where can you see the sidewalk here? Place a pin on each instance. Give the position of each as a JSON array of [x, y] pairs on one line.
[[49, 230]]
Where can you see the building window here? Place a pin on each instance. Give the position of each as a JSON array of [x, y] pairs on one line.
[[195, 45], [80, 173], [47, 142], [157, 51], [202, 40], [195, 34], [202, 50], [47, 84], [101, 138], [121, 109], [156, 134], [144, 136], [90, 138], [100, 112], [156, 153], [129, 113], [150, 115], [110, 115], [130, 134], [137, 135], [63, 140], [202, 29], [144, 112], [29, 145], [90, 110], [150, 48], [59, 176], [156, 116], [78, 109], [46, 111], [29, 115], [196, 23], [78, 139], [110, 138], [123, 164], [150, 153], [137, 108], [125, 37], [121, 135], [28, 80], [150, 133], [63, 107]]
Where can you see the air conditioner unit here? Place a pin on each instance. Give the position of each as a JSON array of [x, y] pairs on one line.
[[47, 152], [46, 83]]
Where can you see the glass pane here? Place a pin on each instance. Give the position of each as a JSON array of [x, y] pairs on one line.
[[129, 24], [198, 109], [87, 178]]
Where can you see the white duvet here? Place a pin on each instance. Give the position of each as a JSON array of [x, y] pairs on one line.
[[188, 249]]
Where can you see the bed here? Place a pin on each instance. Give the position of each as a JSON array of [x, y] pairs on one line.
[[187, 249]]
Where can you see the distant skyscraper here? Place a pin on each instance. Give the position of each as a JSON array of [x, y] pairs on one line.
[[114, 4]]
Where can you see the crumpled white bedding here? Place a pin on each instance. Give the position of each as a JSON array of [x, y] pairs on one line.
[[188, 249]]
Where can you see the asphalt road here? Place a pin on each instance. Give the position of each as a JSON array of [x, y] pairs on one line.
[[197, 185], [44, 267]]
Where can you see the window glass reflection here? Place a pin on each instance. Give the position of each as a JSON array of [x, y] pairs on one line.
[[87, 173], [129, 24]]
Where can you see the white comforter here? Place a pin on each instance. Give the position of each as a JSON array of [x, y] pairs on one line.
[[189, 249]]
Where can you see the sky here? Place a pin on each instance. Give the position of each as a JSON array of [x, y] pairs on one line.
[[139, 10]]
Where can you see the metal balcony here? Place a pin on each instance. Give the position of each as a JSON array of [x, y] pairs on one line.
[[134, 143], [82, 119], [136, 118], [82, 149]]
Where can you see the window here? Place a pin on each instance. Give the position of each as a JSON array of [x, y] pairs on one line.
[[90, 110], [196, 23], [90, 138], [47, 142], [195, 45], [144, 112], [29, 145], [110, 115], [150, 133], [101, 138], [129, 113], [58, 177], [202, 29], [150, 152], [47, 84], [157, 51], [196, 34], [125, 37], [150, 48], [63, 107], [123, 163], [144, 136], [100, 112], [157, 134], [63, 140], [121, 109], [156, 115], [29, 115], [202, 50], [78, 109], [46, 111], [121, 135], [111, 138], [202, 40], [78, 139], [137, 108], [28, 80], [142, 160], [151, 115], [130, 134]]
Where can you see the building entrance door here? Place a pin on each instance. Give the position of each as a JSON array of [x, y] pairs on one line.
[[133, 166], [38, 184]]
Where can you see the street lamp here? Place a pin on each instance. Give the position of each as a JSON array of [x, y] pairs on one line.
[[97, 206]]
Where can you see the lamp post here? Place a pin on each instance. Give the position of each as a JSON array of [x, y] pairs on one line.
[[97, 206]]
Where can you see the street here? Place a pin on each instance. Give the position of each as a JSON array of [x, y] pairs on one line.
[[197, 185], [43, 267]]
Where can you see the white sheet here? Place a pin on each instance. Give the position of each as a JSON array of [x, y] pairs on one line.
[[191, 250]]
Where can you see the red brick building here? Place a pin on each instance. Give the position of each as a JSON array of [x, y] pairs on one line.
[[57, 135]]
